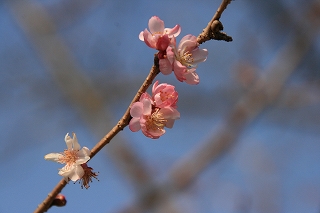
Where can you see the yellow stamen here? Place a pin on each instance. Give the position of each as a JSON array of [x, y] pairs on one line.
[[156, 121], [69, 157], [186, 59]]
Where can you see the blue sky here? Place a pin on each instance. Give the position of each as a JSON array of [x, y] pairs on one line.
[[272, 166]]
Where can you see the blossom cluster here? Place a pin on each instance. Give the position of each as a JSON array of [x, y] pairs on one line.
[[75, 160], [182, 59], [152, 113]]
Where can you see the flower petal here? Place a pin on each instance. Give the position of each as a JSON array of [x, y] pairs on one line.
[[76, 145], [146, 106], [175, 31], [199, 55], [77, 173], [53, 157], [83, 155], [156, 25], [148, 38], [170, 113], [154, 87], [170, 54], [179, 71], [141, 37], [165, 66], [86, 150], [134, 124], [66, 171], [162, 42], [68, 141], [83, 159], [170, 123], [192, 78], [188, 41], [136, 109]]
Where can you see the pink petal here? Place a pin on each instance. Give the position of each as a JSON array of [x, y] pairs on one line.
[[146, 106], [158, 88], [170, 54], [136, 110], [165, 66], [157, 100], [189, 37], [154, 134], [134, 124], [154, 87], [188, 42], [175, 31], [170, 113], [199, 55], [170, 123], [149, 39], [156, 25], [192, 78], [145, 96], [179, 71], [162, 42]]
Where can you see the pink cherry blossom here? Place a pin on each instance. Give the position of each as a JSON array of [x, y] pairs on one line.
[[188, 52], [152, 119], [185, 59], [158, 37], [164, 95], [153, 125]]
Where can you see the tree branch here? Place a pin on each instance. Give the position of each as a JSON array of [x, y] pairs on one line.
[[123, 122], [214, 27], [212, 31]]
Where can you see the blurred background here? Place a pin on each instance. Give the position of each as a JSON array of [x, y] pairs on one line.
[[248, 139]]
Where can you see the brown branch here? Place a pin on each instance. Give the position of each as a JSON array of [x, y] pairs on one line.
[[46, 203], [123, 122], [214, 27], [263, 93], [212, 31]]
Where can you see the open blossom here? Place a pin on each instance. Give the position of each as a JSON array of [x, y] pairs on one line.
[[72, 157], [152, 114], [184, 59], [158, 37]]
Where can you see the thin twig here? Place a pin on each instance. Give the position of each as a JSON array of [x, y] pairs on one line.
[[123, 122], [263, 93], [46, 203]]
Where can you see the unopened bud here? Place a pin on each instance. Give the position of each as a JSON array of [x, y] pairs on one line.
[[59, 200]]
